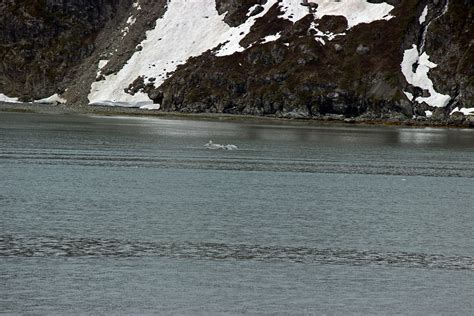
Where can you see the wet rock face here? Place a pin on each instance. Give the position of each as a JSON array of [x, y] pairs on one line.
[[43, 39]]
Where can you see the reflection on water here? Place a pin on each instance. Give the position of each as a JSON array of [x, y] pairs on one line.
[[423, 136]]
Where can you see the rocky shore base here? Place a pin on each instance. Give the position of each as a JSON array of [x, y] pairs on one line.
[[455, 121]]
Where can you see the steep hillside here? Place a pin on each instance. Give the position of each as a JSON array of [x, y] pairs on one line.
[[290, 58]]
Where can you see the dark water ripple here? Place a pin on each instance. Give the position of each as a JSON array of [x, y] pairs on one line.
[[50, 246], [440, 169]]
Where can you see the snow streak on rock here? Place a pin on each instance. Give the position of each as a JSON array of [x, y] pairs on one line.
[[416, 65], [423, 15]]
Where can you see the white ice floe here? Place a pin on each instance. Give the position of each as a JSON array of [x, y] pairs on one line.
[[465, 111], [55, 99], [6, 99], [211, 145], [419, 78]]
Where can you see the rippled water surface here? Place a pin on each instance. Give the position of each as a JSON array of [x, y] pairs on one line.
[[120, 215]]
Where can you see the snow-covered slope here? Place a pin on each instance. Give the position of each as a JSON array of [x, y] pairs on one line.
[[290, 58], [192, 27]]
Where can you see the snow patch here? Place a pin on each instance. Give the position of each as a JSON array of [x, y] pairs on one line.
[[355, 11], [6, 99], [136, 5], [188, 28], [100, 66], [102, 63], [234, 35], [423, 15], [271, 38], [428, 114], [465, 111], [131, 20], [293, 10], [319, 35], [55, 99], [415, 68], [150, 107], [409, 95]]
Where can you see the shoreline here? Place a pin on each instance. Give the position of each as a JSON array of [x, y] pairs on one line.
[[36, 108]]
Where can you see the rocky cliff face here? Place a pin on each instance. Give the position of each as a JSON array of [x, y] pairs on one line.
[[42, 41], [290, 58]]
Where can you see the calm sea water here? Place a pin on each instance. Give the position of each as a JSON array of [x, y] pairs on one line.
[[120, 215]]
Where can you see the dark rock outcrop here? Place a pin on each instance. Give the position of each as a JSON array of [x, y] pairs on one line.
[[41, 41]]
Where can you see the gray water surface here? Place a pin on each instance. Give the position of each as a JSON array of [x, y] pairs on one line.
[[122, 215]]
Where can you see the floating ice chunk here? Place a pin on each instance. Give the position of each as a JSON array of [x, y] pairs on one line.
[[230, 147], [213, 146], [55, 99]]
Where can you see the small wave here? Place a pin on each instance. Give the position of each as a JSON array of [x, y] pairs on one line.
[[46, 246]]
